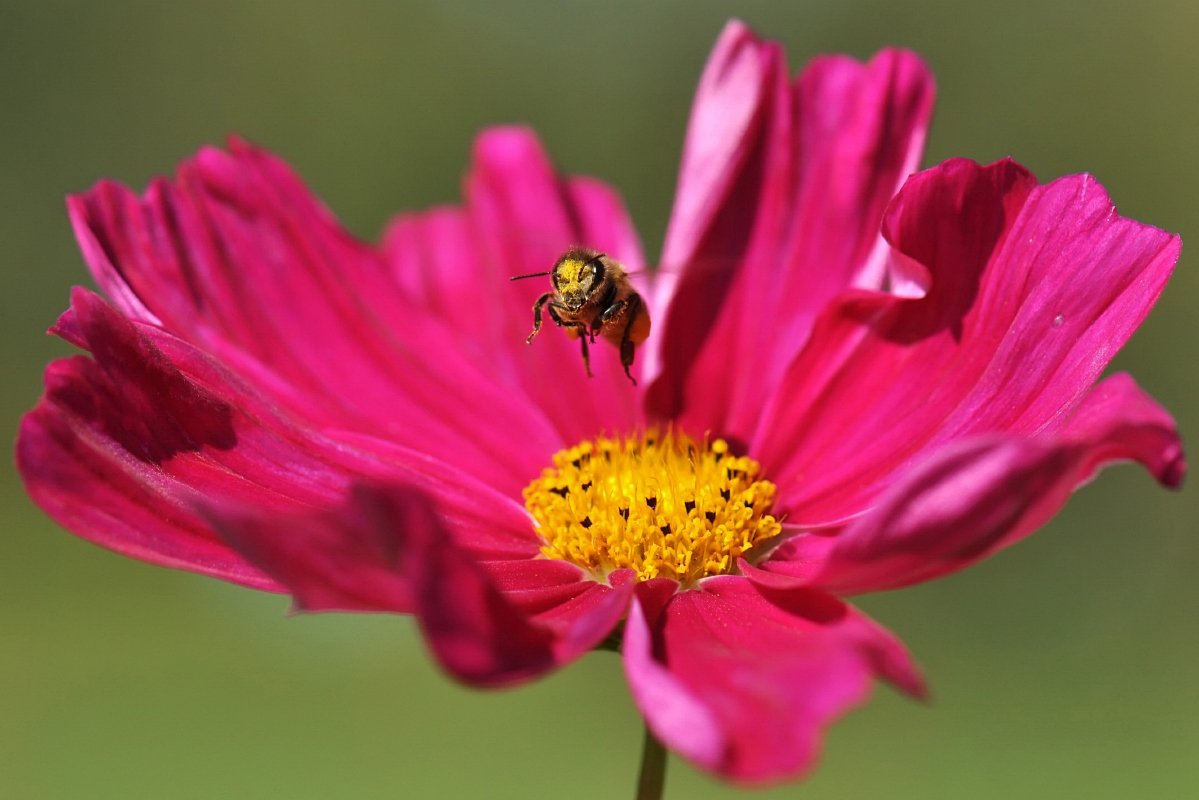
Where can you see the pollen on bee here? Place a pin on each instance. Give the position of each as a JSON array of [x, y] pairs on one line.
[[591, 297]]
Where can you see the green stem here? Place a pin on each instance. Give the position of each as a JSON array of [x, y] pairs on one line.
[[652, 780]]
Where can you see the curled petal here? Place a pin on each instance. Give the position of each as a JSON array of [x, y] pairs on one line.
[[744, 680], [481, 637], [384, 550], [346, 559], [983, 494], [1018, 296]]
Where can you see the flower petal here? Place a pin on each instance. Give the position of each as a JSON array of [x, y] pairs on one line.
[[384, 550], [234, 251], [743, 680], [236, 257], [735, 132], [983, 494], [1028, 293], [124, 447], [780, 199], [525, 216], [723, 137], [119, 448], [479, 636], [538, 585], [435, 260], [345, 559]]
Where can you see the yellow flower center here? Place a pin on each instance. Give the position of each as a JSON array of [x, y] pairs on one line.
[[666, 506]]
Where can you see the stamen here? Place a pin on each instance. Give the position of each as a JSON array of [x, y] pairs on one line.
[[662, 505]]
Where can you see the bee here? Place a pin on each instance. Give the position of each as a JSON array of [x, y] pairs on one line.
[[593, 295]]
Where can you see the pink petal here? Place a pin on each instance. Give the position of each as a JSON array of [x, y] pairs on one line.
[[234, 251], [1029, 293], [983, 494], [238, 259], [345, 559], [525, 216], [479, 636], [736, 130], [123, 448], [538, 585], [780, 199], [384, 550], [723, 135], [491, 524], [601, 218], [743, 681], [433, 257]]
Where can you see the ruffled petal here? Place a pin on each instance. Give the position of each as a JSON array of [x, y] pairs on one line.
[[1027, 293], [980, 495], [780, 200], [236, 257], [236, 253], [124, 448], [384, 550], [743, 681], [860, 132]]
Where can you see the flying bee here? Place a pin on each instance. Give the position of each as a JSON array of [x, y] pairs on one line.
[[593, 295]]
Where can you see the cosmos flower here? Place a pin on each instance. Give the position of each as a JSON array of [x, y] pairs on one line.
[[856, 380]]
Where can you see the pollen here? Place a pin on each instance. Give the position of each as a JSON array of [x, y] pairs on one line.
[[662, 504]]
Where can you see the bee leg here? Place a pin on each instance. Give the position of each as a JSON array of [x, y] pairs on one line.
[[633, 305], [541, 301], [626, 358], [586, 354], [613, 311]]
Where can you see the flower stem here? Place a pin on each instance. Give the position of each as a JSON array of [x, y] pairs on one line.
[[652, 780]]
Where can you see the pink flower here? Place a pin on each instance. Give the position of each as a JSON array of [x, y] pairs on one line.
[[846, 390]]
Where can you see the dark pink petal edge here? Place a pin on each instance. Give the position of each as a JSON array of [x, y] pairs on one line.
[[743, 680], [384, 550], [125, 446], [982, 494]]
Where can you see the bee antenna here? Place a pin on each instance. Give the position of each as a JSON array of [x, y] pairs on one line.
[[531, 275]]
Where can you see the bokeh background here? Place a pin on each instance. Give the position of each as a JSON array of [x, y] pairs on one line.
[[1066, 667]]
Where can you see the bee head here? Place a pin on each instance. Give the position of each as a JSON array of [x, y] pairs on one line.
[[577, 276]]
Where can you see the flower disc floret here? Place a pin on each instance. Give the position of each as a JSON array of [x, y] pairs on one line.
[[660, 504]]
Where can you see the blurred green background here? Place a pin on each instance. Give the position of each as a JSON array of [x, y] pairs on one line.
[[1066, 667]]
